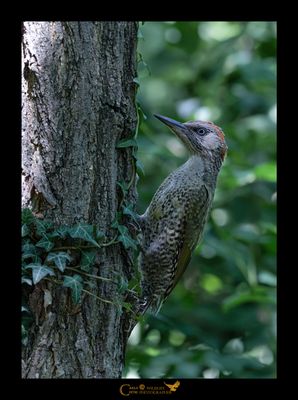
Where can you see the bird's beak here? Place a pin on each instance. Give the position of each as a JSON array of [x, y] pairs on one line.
[[171, 123], [180, 130]]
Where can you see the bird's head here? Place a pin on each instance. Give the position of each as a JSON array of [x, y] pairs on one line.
[[200, 137]]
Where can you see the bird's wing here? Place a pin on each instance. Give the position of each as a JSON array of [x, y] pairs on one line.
[[192, 232], [182, 263]]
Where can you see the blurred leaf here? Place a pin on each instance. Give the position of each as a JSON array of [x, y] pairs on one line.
[[267, 278], [211, 283], [266, 171], [234, 346], [257, 296], [140, 35], [223, 72]]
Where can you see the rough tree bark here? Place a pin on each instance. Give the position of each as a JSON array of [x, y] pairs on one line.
[[78, 102]]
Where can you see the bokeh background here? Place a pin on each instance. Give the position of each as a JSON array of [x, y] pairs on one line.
[[220, 321]]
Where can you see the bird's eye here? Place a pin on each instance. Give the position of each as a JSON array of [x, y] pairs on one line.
[[202, 131]]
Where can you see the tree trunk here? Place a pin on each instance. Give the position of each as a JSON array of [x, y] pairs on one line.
[[78, 102]]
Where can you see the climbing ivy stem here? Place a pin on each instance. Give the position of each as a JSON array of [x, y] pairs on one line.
[[99, 298], [90, 275]]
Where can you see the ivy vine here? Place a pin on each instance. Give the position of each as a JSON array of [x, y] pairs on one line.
[[49, 252]]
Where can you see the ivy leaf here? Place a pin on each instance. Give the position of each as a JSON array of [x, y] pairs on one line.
[[60, 259], [75, 284], [122, 229], [39, 271], [27, 216], [45, 243], [123, 187], [29, 251], [25, 230], [126, 143], [98, 233], [91, 284], [139, 57], [127, 210], [87, 259], [122, 284], [140, 34], [134, 154], [142, 115], [42, 226], [127, 241], [115, 223], [61, 232], [136, 80], [28, 248], [84, 232], [140, 167], [125, 238], [26, 280]]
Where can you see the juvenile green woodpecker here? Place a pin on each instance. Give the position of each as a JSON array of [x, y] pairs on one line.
[[173, 223]]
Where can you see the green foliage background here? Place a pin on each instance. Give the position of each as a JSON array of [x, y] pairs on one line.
[[219, 322]]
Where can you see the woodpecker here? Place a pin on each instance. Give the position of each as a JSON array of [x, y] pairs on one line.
[[173, 223]]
